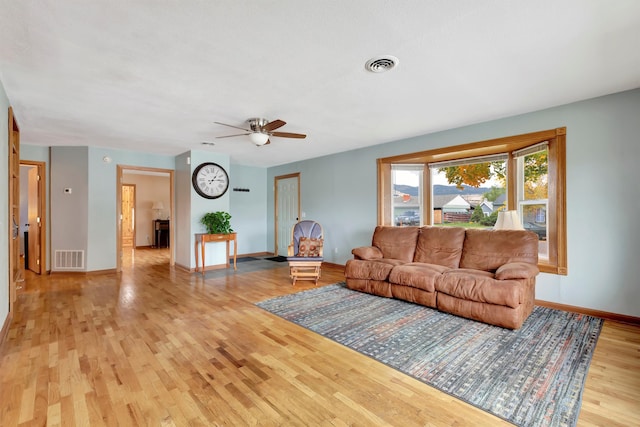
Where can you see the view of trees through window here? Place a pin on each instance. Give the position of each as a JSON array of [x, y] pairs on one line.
[[468, 194], [471, 192]]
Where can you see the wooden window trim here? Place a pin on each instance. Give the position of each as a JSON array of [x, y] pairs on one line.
[[557, 225]]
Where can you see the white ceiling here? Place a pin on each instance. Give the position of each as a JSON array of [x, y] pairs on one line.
[[154, 75]]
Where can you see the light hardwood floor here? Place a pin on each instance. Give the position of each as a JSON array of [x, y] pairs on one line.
[[160, 347]]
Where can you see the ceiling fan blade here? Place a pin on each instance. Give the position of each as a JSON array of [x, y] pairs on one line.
[[273, 125], [231, 126], [289, 135], [231, 136]]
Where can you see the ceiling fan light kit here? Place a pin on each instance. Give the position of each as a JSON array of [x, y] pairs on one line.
[[260, 130], [258, 138]]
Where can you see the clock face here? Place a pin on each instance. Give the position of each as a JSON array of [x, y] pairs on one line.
[[210, 180]]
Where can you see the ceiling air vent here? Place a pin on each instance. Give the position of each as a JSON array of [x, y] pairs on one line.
[[381, 64]]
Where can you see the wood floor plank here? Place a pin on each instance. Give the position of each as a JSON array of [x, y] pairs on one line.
[[159, 346]]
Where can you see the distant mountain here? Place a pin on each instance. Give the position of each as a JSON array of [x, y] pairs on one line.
[[442, 189]]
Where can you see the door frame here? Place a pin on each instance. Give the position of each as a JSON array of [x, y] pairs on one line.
[[42, 209], [275, 204], [120, 171], [13, 203]]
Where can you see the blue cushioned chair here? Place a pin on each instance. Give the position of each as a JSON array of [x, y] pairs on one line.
[[305, 251]]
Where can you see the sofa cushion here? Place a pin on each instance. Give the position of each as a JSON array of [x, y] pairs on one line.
[[498, 315], [480, 286], [370, 269], [417, 275], [396, 242], [374, 287], [440, 245], [367, 252], [415, 295], [487, 250]]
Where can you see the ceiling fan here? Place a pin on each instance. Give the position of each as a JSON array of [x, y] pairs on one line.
[[260, 130]]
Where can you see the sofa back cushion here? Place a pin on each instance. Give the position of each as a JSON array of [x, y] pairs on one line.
[[396, 242], [489, 249], [440, 245]]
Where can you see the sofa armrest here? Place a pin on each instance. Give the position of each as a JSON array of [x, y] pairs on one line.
[[367, 252], [517, 270]]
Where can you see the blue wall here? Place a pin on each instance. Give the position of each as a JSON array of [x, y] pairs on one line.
[[86, 218], [248, 209], [603, 197]]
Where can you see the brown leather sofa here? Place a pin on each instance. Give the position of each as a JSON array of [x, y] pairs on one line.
[[485, 275]]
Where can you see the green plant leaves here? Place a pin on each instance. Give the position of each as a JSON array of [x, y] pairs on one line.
[[217, 222]]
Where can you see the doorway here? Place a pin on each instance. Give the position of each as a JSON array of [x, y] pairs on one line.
[[137, 211], [33, 236], [287, 205]]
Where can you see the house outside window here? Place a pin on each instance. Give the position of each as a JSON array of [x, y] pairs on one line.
[[461, 186]]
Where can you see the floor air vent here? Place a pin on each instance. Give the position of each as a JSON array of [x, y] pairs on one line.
[[69, 260]]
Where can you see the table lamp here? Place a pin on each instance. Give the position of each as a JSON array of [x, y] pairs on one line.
[[508, 220], [157, 208]]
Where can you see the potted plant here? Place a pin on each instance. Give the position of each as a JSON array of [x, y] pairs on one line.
[[217, 222]]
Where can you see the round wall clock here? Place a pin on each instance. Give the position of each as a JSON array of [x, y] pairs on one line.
[[210, 180]]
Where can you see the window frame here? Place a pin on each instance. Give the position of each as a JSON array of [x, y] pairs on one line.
[[556, 221]]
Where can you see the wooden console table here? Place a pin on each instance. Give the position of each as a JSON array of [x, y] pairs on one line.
[[203, 238]]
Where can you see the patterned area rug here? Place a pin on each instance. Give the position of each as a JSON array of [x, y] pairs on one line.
[[530, 377]]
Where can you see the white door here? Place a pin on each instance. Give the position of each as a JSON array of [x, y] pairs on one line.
[[287, 203]]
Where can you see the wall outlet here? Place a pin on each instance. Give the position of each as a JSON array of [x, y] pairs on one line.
[[335, 250], [148, 239]]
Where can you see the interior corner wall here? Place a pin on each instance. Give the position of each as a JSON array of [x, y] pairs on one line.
[[69, 193], [248, 201], [101, 210], [602, 196], [182, 221], [4, 206], [215, 253], [86, 218]]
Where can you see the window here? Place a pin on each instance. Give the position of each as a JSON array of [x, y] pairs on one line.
[[533, 191], [468, 192], [407, 194], [524, 173]]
